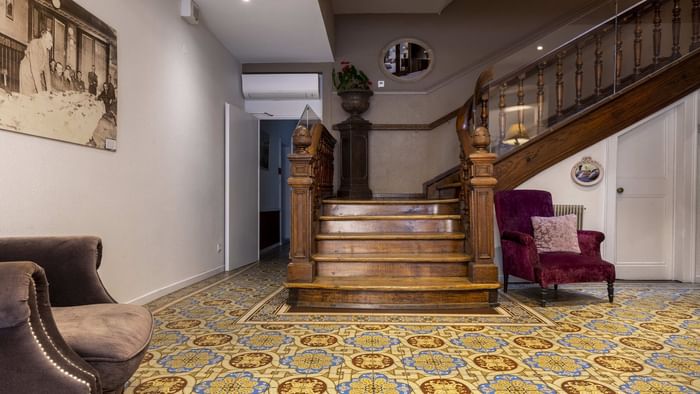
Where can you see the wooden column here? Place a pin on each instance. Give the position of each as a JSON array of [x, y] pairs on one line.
[[301, 268], [540, 97], [695, 39], [676, 26], [481, 184], [657, 34], [598, 66], [560, 83], [354, 179]]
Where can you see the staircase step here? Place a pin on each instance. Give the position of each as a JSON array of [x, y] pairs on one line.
[[393, 292], [452, 185], [345, 243], [416, 265], [393, 257], [392, 201], [383, 283], [389, 236], [391, 223]]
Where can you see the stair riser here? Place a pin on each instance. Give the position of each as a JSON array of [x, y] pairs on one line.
[[416, 270], [390, 246], [389, 209], [432, 300], [392, 226]]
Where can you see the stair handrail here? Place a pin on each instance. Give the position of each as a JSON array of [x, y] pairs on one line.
[[311, 181]]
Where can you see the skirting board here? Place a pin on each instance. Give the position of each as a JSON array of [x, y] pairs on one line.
[[155, 294]]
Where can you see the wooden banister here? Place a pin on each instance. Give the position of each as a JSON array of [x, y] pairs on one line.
[[311, 180], [564, 101]]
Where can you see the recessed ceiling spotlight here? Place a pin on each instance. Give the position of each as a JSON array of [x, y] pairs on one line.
[[246, 1], [539, 47]]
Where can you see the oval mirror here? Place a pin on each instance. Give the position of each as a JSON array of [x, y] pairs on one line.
[[406, 59]]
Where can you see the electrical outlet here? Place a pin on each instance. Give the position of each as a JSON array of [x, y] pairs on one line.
[[218, 248], [380, 84]]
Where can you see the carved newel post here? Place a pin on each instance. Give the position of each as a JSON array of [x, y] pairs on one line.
[[301, 268], [354, 137], [482, 183]]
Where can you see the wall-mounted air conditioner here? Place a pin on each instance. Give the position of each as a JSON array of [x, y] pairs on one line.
[[281, 86], [189, 11]]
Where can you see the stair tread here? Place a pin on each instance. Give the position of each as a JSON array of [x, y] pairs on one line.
[[391, 217], [449, 185], [392, 201], [394, 257], [390, 236], [394, 283]]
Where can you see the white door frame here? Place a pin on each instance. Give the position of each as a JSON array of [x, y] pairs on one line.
[[227, 182], [684, 196]]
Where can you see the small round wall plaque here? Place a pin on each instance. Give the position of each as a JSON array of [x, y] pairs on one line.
[[587, 172]]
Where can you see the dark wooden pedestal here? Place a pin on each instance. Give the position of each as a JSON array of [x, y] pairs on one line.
[[354, 136]]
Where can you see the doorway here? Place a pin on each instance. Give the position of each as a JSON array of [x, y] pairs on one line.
[[275, 214], [651, 185]]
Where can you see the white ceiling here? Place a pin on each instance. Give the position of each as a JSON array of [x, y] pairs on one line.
[[269, 31], [389, 6]]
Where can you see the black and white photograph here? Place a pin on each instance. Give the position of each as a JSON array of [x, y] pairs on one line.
[[58, 73]]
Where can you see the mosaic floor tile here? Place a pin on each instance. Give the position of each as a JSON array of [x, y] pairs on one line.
[[232, 333]]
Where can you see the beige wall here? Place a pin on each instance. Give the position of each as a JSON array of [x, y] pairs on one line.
[[158, 202], [465, 38], [17, 28]]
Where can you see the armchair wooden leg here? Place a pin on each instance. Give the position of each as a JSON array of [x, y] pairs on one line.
[[505, 283], [556, 291], [543, 296], [611, 292]]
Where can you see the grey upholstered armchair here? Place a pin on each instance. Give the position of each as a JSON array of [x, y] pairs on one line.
[[73, 339]]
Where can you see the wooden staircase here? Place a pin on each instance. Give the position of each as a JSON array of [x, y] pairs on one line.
[[383, 253], [395, 254]]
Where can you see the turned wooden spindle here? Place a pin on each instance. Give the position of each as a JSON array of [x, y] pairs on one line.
[[598, 69], [618, 55], [657, 33], [540, 95], [560, 83], [521, 100], [485, 108], [676, 48], [502, 112], [695, 39], [638, 43], [579, 74]]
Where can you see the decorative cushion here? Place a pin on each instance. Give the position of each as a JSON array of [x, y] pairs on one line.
[[555, 234]]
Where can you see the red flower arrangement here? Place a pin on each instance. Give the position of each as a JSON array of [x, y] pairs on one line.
[[350, 78]]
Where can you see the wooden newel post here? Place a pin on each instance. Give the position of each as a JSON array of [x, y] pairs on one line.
[[301, 268], [482, 183]]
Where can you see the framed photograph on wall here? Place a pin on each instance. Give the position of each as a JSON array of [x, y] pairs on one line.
[[264, 150], [58, 73], [587, 172]]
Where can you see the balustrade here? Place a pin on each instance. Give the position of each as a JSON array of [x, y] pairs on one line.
[[556, 86]]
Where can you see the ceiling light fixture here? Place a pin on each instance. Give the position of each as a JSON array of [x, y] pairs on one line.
[[540, 47]]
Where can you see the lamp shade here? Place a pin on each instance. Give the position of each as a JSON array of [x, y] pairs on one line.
[[516, 134]]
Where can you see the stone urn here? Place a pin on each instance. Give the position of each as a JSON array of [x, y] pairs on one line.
[[355, 101]]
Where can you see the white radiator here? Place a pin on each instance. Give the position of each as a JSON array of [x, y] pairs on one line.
[[568, 209]]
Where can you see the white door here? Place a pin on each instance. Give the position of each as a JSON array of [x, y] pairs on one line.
[[644, 214], [242, 163]]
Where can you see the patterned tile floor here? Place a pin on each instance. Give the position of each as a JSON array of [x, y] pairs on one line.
[[648, 341]]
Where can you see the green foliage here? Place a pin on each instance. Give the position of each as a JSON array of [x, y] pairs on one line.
[[349, 78]]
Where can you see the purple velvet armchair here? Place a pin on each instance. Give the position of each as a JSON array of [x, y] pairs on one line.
[[514, 208]]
